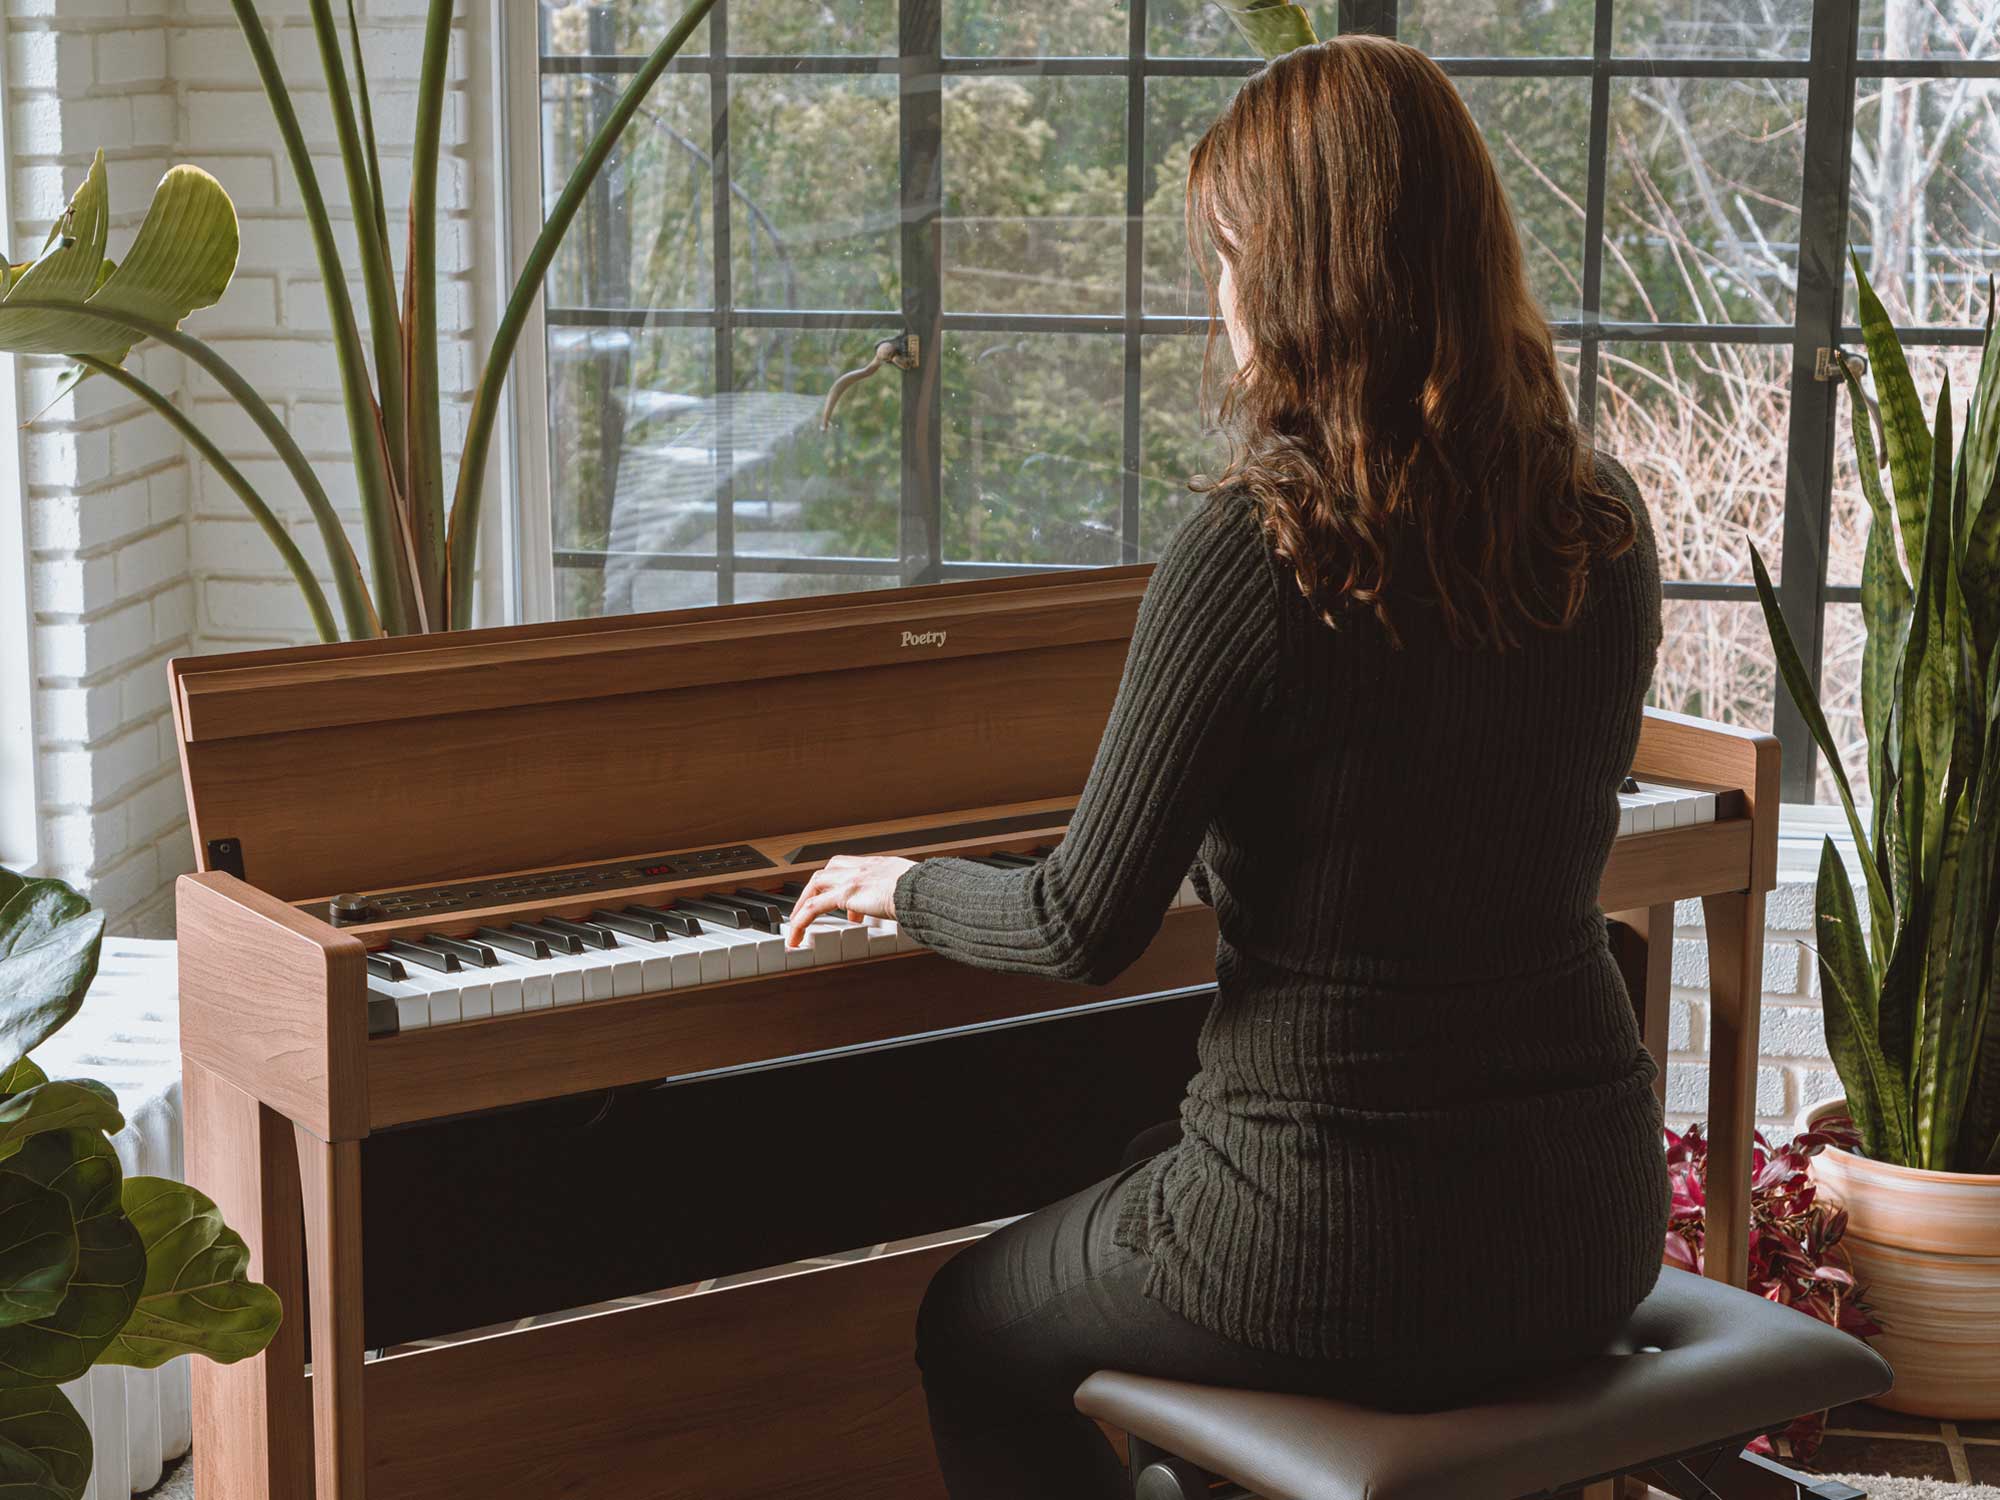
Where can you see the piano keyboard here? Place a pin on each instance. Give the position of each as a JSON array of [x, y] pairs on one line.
[[1648, 806], [624, 950]]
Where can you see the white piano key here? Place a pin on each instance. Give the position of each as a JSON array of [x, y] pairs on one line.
[[1187, 895], [738, 945], [537, 982], [475, 996], [881, 936], [506, 987], [595, 974], [413, 1005]]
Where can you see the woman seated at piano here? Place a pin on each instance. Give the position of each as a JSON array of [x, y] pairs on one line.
[[1380, 697]]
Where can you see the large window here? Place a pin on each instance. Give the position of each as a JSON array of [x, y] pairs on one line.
[[998, 183]]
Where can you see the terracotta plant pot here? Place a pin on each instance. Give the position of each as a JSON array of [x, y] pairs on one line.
[[1926, 1249]]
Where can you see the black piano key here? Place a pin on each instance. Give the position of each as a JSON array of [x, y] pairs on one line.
[[430, 958], [677, 923], [560, 941], [713, 911], [759, 916], [768, 904], [783, 900], [384, 967], [514, 942], [593, 937], [993, 862], [477, 954], [632, 925], [1630, 786], [1009, 861]]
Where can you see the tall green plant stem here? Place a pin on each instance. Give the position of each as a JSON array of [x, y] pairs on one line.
[[348, 582], [485, 410], [378, 278], [425, 437], [281, 538], [393, 585]]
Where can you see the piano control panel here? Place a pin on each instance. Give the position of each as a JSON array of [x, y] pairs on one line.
[[556, 885]]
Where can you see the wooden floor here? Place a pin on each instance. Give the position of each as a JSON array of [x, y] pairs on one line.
[[1862, 1439]]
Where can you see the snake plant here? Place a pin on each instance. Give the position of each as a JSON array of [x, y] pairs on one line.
[[420, 543], [1908, 975]]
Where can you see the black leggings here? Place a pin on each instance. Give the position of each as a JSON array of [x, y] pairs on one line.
[[1013, 1324]]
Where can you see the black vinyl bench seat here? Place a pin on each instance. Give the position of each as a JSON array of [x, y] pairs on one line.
[[1700, 1369]]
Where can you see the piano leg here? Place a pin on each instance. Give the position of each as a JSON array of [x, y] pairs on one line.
[[1735, 922], [330, 1175], [252, 1420]]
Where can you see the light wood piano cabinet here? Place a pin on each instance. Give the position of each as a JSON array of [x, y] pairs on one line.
[[945, 719]]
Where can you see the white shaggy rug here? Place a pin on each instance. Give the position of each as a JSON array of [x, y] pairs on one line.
[[1882, 1487]]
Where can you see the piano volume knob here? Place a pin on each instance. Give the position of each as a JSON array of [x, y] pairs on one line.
[[346, 910]]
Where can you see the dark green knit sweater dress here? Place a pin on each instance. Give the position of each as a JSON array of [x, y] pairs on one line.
[[1424, 1119]]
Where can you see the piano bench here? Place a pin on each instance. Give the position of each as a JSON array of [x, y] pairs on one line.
[[1700, 1369]]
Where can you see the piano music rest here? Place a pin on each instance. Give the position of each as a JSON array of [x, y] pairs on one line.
[[574, 835]]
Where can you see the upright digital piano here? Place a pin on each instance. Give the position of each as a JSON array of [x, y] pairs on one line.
[[486, 1016]]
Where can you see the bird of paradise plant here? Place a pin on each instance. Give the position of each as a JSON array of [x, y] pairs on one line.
[[1909, 989], [420, 543]]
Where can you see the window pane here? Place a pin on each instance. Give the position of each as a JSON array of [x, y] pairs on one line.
[[1198, 28], [1538, 130], [1922, 215], [1715, 663], [633, 460], [1497, 28], [1033, 438], [1847, 531], [1034, 195], [1701, 219], [1034, 28], [1174, 442], [1840, 697], [1714, 28], [1703, 429], [1178, 111], [751, 587], [613, 27], [813, 219], [828, 26], [801, 492], [642, 239], [1919, 28]]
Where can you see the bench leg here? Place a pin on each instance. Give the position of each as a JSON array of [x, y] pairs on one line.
[[1737, 1474], [1158, 1475]]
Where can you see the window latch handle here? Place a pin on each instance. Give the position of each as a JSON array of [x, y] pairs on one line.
[[900, 351]]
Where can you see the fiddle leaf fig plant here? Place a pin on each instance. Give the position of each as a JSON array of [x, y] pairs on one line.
[[95, 1267], [1907, 966], [419, 537]]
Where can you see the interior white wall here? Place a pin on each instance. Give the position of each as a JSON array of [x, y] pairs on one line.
[[137, 553]]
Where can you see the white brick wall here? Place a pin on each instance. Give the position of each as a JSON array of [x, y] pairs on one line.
[[137, 553], [1793, 1067]]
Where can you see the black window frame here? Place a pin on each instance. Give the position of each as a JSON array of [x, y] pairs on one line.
[[1832, 72]]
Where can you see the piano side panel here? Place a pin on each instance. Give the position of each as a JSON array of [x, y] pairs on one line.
[[373, 805], [801, 1388]]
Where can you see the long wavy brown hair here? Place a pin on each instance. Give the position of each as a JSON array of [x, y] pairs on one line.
[[1401, 423]]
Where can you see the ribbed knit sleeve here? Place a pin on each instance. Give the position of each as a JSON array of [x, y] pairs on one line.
[[1197, 676]]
